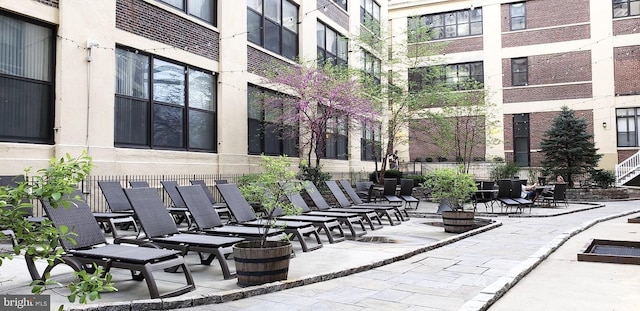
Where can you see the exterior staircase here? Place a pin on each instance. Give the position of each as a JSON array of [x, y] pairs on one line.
[[628, 171]]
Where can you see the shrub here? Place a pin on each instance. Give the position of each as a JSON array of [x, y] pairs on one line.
[[442, 159], [604, 178], [451, 184], [418, 160], [501, 170], [314, 174], [417, 179], [429, 159]]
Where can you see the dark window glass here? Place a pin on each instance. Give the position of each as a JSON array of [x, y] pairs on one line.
[[183, 98], [519, 71], [371, 141], [518, 15], [26, 81], [521, 147], [444, 25], [266, 135], [624, 8], [332, 47], [336, 139], [341, 3], [273, 24], [463, 76], [627, 126], [370, 15], [202, 9]]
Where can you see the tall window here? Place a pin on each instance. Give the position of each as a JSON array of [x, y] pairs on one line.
[[332, 47], [337, 138], [371, 66], [521, 139], [164, 105], [26, 81], [266, 134], [624, 8], [341, 3], [370, 15], [517, 11], [519, 71], [202, 9], [445, 25], [371, 141], [627, 126], [457, 76], [273, 24]]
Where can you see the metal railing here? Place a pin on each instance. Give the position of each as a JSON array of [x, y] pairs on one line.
[[625, 168]]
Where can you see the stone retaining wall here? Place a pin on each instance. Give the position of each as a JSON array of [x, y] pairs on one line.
[[597, 194]]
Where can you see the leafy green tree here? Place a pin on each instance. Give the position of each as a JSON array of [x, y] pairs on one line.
[[568, 148]]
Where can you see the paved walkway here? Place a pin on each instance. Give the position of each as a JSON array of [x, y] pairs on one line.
[[461, 276], [467, 274]]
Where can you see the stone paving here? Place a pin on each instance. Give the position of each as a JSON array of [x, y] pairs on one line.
[[428, 270], [466, 275]]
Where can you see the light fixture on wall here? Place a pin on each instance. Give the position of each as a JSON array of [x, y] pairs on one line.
[[604, 124]]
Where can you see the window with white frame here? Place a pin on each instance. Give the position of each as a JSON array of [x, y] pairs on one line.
[[202, 9], [162, 104], [27, 66], [627, 121], [518, 16], [273, 24]]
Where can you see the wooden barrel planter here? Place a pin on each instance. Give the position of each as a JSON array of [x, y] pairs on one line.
[[457, 221], [257, 265]]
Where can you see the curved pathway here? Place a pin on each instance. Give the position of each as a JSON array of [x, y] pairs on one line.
[[467, 275]]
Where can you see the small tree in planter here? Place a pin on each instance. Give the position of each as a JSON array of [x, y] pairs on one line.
[[266, 191], [452, 188]]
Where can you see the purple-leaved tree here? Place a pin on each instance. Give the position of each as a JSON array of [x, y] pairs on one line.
[[320, 97]]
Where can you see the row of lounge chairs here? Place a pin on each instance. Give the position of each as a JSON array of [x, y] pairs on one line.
[[166, 245]]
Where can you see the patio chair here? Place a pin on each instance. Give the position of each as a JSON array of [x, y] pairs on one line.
[[161, 230], [358, 202], [91, 247], [384, 211], [406, 193], [559, 194], [349, 220], [504, 195], [178, 209], [365, 192], [221, 208], [139, 184], [368, 215], [121, 210], [208, 221], [516, 192], [244, 214], [485, 196], [389, 191]]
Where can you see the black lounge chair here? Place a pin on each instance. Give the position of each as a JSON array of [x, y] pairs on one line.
[[358, 202], [160, 229], [406, 193], [244, 215], [179, 213], [91, 247], [383, 211], [516, 192], [389, 191], [368, 215], [221, 208], [349, 220], [365, 191], [121, 210], [208, 221], [504, 195]]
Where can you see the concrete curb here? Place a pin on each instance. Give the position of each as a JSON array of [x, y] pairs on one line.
[[214, 298], [490, 294]]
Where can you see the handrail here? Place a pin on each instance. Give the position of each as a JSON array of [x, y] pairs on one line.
[[627, 167]]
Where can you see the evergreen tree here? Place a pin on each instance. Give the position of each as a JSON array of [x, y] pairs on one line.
[[568, 148]]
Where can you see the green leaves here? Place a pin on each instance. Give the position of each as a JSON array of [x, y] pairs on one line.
[[90, 285]]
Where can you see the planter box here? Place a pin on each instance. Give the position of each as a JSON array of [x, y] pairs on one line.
[[257, 265], [457, 221]]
